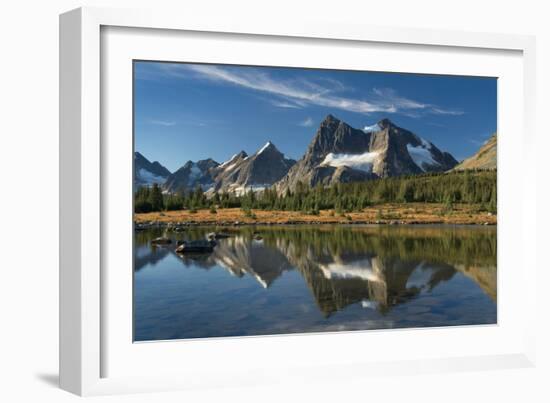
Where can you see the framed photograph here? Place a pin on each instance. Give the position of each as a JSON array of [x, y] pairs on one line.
[[243, 203]]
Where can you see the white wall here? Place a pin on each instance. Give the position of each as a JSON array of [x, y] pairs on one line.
[[28, 202]]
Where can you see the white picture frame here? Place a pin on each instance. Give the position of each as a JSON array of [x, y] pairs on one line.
[[89, 335]]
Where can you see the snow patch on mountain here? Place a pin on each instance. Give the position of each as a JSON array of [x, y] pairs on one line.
[[228, 161], [363, 162], [194, 174], [425, 143], [148, 178], [421, 156], [372, 128]]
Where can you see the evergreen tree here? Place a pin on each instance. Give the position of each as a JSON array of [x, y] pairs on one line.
[[155, 198]]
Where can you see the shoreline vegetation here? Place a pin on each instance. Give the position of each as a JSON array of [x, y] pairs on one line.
[[463, 197], [389, 213]]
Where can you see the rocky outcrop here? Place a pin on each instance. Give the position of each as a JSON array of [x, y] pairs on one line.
[[485, 158]]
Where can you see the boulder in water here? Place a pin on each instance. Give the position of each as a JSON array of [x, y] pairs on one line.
[[161, 241], [199, 246]]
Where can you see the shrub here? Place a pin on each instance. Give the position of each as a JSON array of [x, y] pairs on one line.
[[248, 213], [448, 207], [143, 206]]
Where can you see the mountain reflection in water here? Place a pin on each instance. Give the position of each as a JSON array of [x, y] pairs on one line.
[[315, 278]]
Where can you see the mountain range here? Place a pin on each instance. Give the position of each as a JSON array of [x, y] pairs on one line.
[[239, 174], [337, 153]]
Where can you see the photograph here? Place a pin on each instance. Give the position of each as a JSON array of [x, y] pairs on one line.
[[283, 200]]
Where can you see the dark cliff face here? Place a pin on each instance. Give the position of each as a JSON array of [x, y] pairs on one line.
[[340, 153], [335, 136], [146, 173]]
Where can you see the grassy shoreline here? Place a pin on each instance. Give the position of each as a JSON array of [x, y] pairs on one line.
[[409, 213]]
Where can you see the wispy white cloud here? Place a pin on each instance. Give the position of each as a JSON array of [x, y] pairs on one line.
[[439, 111], [410, 107], [299, 93], [284, 104], [389, 96], [307, 122], [162, 122]]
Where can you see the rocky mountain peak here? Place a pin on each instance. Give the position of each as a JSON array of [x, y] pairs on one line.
[[243, 173], [385, 123], [330, 118], [207, 164], [268, 147], [146, 172], [334, 135], [330, 122]]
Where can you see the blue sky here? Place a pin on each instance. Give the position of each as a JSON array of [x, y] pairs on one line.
[[194, 111]]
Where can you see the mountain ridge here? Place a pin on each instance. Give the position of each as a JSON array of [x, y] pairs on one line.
[[337, 153], [239, 174], [484, 158]]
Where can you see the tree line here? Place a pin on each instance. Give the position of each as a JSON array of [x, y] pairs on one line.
[[473, 187]]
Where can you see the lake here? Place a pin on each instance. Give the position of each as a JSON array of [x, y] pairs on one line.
[[314, 278]]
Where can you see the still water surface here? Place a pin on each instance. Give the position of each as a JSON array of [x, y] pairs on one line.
[[273, 280]]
